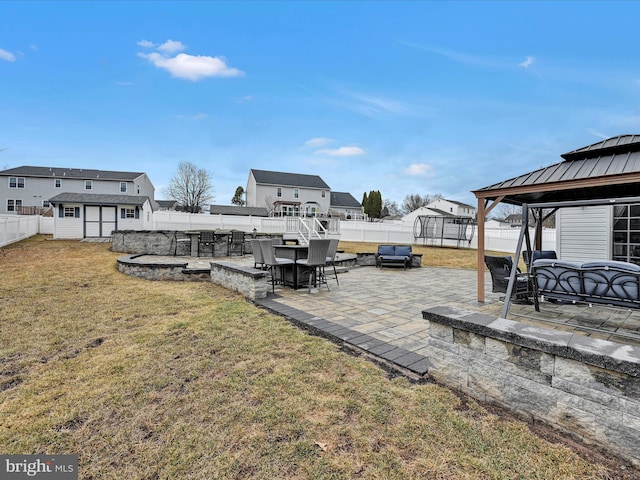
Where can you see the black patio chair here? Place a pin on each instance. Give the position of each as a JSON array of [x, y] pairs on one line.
[[236, 243], [207, 241], [537, 254], [500, 270]]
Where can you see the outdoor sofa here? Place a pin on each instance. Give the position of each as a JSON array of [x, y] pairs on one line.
[[602, 282], [394, 255]]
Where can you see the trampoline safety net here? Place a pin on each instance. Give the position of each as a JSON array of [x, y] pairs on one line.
[[445, 231]]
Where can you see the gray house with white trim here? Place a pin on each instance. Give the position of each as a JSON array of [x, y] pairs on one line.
[[344, 205], [288, 194], [87, 203], [29, 186]]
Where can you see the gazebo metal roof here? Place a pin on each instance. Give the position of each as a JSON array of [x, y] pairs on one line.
[[604, 171], [610, 168]]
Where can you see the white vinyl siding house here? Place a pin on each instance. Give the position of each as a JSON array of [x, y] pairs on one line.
[[288, 194], [451, 207], [35, 186]]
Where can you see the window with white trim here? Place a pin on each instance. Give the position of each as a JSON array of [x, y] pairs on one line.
[[123, 187], [12, 205], [129, 213], [323, 193], [88, 185], [70, 212], [45, 204], [279, 192], [16, 182], [296, 193], [57, 183]]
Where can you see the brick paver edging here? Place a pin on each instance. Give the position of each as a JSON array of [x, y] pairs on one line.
[[397, 357]]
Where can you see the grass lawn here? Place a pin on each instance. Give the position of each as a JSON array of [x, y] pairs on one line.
[[170, 380]]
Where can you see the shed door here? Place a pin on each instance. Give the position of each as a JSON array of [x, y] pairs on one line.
[[99, 221]]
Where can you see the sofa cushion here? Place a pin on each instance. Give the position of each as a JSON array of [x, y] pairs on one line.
[[616, 281], [386, 250], [403, 251], [606, 264], [558, 278]]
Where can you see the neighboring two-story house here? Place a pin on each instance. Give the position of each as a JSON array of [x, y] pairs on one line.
[[451, 207], [86, 202], [288, 194]]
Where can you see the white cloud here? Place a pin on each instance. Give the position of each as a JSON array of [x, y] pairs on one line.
[[8, 56], [192, 67], [33, 47], [341, 152], [124, 84], [171, 46], [417, 169], [527, 63], [318, 142], [146, 44]]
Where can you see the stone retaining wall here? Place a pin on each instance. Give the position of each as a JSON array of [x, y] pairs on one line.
[[155, 271], [250, 282], [586, 387], [173, 243], [151, 242]]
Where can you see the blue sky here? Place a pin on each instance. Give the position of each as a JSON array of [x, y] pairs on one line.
[[402, 97]]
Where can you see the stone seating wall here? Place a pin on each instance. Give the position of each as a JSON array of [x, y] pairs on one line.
[[588, 388]]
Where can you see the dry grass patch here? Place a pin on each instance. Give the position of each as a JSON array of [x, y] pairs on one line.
[[170, 380]]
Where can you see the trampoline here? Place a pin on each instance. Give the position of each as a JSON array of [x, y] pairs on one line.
[[437, 230]]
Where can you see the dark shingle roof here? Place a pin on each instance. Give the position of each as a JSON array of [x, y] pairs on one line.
[[80, 173], [344, 199], [167, 203], [608, 161], [236, 210], [266, 177], [98, 199]]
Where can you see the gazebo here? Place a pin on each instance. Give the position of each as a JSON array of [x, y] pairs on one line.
[[607, 172]]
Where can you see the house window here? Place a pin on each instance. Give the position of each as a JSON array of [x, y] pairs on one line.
[[45, 203], [626, 233], [296, 193], [130, 213], [69, 212], [16, 182], [123, 187], [323, 193], [88, 185], [12, 205], [57, 183], [279, 192]]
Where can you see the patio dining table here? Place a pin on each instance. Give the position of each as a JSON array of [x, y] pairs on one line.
[[295, 253]]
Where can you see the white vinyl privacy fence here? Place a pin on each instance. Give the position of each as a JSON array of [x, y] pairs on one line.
[[14, 228], [499, 239]]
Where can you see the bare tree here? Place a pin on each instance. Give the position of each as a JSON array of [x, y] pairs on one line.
[[191, 187], [390, 208], [415, 201]]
